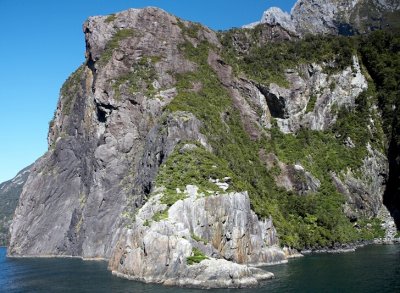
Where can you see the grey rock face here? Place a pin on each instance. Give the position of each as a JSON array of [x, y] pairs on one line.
[[243, 40], [10, 192], [331, 17], [275, 16], [364, 192], [108, 137], [222, 226], [319, 17], [389, 225]]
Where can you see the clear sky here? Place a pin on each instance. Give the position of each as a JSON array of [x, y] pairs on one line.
[[41, 43]]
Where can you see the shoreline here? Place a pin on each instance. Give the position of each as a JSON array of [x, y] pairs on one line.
[[343, 248], [350, 247], [261, 264], [58, 256]]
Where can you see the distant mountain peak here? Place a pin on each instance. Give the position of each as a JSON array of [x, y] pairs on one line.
[[334, 17]]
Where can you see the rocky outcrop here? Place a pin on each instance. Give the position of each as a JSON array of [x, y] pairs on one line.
[[313, 97], [313, 101], [389, 225], [364, 191], [290, 177], [275, 16], [10, 192], [223, 227], [244, 40], [334, 17]]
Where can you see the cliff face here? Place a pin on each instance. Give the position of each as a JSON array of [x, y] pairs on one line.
[[336, 17], [173, 144], [108, 137], [9, 195]]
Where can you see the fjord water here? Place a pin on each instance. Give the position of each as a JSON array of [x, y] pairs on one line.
[[369, 269]]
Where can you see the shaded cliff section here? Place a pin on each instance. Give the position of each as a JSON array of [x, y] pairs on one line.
[[380, 53], [10, 192]]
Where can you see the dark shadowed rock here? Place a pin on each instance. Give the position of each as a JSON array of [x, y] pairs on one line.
[[10, 192]]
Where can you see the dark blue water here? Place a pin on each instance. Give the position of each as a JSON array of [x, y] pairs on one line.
[[369, 269]]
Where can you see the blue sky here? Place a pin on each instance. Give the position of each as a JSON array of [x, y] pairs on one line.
[[41, 43]]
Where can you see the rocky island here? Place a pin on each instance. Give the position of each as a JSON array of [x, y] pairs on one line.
[[187, 157]]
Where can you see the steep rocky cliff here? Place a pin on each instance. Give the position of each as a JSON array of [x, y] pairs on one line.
[[176, 145], [10, 192], [335, 17], [108, 137]]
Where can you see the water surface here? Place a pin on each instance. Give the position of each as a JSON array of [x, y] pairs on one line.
[[369, 269]]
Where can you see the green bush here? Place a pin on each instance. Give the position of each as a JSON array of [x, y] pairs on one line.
[[198, 239], [191, 167], [71, 88], [162, 215], [139, 79], [111, 18], [196, 257]]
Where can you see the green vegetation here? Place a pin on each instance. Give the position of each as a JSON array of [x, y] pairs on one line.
[[170, 195], [198, 239], [373, 17], [111, 18], [321, 152], [314, 220], [191, 167], [370, 228], [380, 52], [82, 200], [9, 195], [114, 43], [267, 63], [196, 257], [162, 215], [71, 88], [381, 55], [140, 78], [311, 103], [318, 219], [191, 30]]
